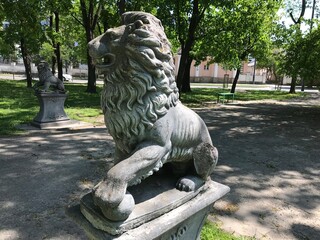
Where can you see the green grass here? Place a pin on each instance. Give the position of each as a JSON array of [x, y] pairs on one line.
[[18, 104], [212, 231], [200, 95]]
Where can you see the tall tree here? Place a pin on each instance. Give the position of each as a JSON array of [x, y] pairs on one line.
[[24, 29], [182, 19], [90, 11], [236, 29], [297, 21], [302, 57], [296, 12]]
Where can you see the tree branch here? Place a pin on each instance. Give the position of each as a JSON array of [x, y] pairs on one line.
[[84, 12], [97, 14], [76, 19], [303, 9]]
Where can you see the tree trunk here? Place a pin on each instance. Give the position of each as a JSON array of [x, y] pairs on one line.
[[91, 87], [183, 71], [57, 50], [235, 81], [293, 85], [27, 62], [186, 46], [121, 6], [298, 23], [53, 58], [89, 22], [186, 78]]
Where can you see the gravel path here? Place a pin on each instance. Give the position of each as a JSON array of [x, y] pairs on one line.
[[269, 156]]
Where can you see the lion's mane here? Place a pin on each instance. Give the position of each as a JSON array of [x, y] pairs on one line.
[[142, 88]]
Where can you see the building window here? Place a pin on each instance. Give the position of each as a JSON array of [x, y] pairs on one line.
[[206, 66]]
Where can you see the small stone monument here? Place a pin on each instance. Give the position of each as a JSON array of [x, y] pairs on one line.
[[51, 94], [159, 186]]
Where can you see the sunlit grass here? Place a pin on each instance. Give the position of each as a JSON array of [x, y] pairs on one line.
[[212, 231], [18, 104], [198, 96]]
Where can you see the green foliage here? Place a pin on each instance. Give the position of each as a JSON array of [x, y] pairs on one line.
[[211, 231], [46, 51], [301, 57], [236, 29], [23, 17]]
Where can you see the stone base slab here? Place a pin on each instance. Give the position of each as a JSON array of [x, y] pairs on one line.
[[154, 197], [56, 124], [184, 222]]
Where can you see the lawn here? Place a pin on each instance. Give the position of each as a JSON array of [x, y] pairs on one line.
[[198, 96], [18, 104]]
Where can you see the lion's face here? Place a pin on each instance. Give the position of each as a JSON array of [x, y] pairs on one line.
[[106, 48], [139, 32], [43, 66]]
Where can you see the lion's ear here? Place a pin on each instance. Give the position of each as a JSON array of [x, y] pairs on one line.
[[138, 24]]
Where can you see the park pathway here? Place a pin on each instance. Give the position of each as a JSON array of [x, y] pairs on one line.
[[269, 156]]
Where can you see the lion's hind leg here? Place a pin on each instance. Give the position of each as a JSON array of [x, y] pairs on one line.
[[205, 158]]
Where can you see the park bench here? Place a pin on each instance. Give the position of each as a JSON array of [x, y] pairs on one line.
[[225, 96]]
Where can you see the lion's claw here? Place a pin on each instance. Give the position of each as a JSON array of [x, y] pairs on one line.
[[189, 183]]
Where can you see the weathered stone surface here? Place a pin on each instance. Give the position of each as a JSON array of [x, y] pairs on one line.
[[47, 80], [148, 123], [154, 197], [51, 113], [183, 222]]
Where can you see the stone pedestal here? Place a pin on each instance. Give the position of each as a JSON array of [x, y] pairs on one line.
[[161, 212], [51, 113]]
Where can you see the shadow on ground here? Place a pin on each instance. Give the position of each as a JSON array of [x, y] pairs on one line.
[[44, 172], [269, 156]]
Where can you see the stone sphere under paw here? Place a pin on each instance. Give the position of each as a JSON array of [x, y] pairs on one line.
[[122, 211]]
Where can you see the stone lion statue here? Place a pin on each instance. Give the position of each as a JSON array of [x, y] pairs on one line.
[[148, 123], [47, 79]]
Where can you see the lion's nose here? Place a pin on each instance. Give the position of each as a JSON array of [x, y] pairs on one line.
[[96, 48]]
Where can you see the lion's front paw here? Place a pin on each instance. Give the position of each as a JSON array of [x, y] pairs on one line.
[[109, 193], [120, 212], [189, 183]]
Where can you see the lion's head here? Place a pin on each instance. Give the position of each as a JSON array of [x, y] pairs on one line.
[[44, 71], [140, 85]]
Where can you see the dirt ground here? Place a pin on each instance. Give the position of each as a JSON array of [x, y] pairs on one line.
[[269, 156]]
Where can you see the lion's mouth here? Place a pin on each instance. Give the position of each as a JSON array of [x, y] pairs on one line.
[[107, 61]]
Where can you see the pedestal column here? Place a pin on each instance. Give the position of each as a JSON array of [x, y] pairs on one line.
[[51, 113]]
